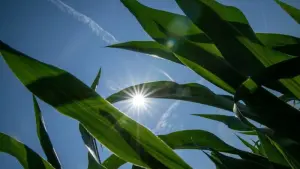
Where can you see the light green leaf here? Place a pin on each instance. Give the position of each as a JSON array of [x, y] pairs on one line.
[[292, 11], [71, 97], [44, 137], [28, 158], [231, 121]]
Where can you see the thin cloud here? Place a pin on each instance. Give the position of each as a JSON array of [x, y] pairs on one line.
[[163, 121], [97, 29]]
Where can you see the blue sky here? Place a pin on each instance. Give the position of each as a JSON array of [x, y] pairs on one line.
[[53, 35]]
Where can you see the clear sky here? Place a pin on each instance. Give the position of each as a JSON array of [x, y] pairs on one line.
[[47, 31]]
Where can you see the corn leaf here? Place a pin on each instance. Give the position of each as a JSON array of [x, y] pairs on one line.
[[270, 109], [250, 146], [283, 43], [270, 150], [192, 92], [113, 161], [26, 156], [93, 163], [107, 124], [204, 55], [89, 140], [44, 137], [231, 121], [236, 40], [148, 47], [292, 11]]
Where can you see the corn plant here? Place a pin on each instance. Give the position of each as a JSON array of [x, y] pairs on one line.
[[217, 43]]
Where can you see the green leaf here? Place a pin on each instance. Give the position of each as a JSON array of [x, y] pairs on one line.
[[44, 137], [236, 40], [231, 121], [202, 57], [71, 97], [270, 150], [93, 163], [113, 161], [233, 163], [283, 43], [269, 109], [196, 139], [192, 92], [89, 140], [148, 47], [292, 11], [136, 167], [27, 157], [250, 146]]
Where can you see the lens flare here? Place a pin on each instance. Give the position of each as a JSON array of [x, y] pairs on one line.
[[138, 100]]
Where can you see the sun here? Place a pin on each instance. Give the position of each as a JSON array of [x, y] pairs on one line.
[[138, 100]]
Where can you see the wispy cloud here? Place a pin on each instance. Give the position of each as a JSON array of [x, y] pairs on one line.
[[163, 121], [97, 29]]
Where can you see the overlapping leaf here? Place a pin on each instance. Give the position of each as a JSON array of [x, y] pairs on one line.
[[111, 127], [89, 140], [44, 137], [113, 161], [236, 40], [26, 156]]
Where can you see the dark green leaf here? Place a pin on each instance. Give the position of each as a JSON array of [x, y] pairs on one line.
[[283, 43], [270, 150], [73, 98], [292, 11], [113, 161], [231, 121], [93, 164], [269, 109], [236, 40], [28, 158], [136, 167], [44, 137], [196, 139], [192, 92], [233, 163]]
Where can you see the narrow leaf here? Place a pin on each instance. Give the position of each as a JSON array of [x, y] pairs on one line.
[[26, 156], [113, 129], [292, 11], [44, 137], [250, 146], [89, 140], [231, 121], [270, 150]]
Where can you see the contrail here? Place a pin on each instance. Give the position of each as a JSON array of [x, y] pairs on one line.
[[97, 29], [163, 121]]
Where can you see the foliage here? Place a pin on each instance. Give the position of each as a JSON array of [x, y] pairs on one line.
[[217, 43]]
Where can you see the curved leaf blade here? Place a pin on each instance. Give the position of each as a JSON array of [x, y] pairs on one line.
[[27, 157], [250, 146], [231, 121], [44, 137], [112, 128], [292, 11], [192, 92]]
